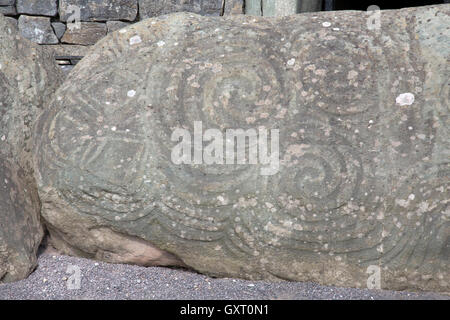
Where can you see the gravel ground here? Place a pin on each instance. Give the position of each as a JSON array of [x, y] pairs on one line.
[[115, 281]]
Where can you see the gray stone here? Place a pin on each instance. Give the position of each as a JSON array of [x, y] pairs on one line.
[[70, 49], [253, 7], [37, 29], [277, 8], [310, 5], [59, 29], [363, 175], [99, 10], [280, 8], [116, 25], [38, 7], [233, 7], [88, 33], [7, 2], [28, 77], [151, 8], [8, 10], [13, 22]]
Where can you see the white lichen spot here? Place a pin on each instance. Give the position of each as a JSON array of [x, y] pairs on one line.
[[405, 99], [222, 200], [161, 43], [352, 74], [135, 40], [250, 120], [217, 67], [291, 62], [131, 93], [402, 203], [421, 136]]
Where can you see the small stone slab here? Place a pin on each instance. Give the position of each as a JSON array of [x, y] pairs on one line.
[[37, 7], [99, 10], [37, 29], [88, 33]]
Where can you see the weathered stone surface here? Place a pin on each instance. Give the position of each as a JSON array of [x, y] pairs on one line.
[[277, 8], [7, 2], [280, 8], [59, 29], [99, 10], [37, 29], [363, 180], [70, 50], [8, 10], [115, 25], [253, 7], [38, 7], [88, 33], [151, 8], [13, 22], [233, 7], [27, 79], [310, 5]]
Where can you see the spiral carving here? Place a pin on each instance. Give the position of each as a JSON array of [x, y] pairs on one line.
[[344, 146]]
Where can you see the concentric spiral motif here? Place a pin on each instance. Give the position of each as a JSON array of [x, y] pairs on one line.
[[345, 81], [337, 200], [322, 201], [421, 229], [321, 168], [89, 141], [227, 94]]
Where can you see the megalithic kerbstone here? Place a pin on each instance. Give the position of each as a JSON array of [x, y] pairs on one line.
[[361, 194], [28, 77]]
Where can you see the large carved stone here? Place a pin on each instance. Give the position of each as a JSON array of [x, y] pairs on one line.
[[28, 76], [363, 179]]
